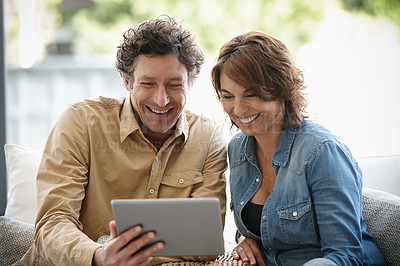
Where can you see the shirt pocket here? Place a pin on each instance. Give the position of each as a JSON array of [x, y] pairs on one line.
[[179, 184], [296, 222]]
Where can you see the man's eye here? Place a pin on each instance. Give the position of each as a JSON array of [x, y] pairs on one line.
[[251, 95], [148, 84], [176, 86]]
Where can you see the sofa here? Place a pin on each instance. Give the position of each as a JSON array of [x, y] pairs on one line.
[[380, 199]]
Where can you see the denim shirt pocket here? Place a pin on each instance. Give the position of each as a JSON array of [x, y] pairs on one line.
[[296, 222]]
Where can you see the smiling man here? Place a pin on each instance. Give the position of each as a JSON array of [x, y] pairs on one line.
[[145, 145]]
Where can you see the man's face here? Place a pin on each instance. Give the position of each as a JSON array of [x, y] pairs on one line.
[[158, 93]]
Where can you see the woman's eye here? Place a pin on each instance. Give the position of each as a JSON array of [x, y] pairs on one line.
[[226, 97]]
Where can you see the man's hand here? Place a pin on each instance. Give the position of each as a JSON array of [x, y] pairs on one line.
[[119, 250], [248, 251]]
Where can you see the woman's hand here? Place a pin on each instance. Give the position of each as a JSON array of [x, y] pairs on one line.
[[121, 250], [248, 251]]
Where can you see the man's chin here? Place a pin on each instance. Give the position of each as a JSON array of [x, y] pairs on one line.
[[158, 131]]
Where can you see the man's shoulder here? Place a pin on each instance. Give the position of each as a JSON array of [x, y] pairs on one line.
[[195, 119], [101, 102]]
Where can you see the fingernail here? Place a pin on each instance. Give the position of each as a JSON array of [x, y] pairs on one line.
[[137, 229], [160, 245], [151, 235]]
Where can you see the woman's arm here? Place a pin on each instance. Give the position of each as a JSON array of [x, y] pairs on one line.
[[335, 183]]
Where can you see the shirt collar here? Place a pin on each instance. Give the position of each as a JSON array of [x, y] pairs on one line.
[[282, 152], [129, 124]]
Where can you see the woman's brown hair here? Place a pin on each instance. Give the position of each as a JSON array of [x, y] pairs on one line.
[[262, 63]]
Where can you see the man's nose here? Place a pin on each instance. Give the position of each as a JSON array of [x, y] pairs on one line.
[[161, 97]]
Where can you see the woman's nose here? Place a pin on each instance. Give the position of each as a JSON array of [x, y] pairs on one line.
[[240, 107]]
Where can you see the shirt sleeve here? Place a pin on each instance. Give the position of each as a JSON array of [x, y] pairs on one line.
[[61, 183], [335, 183], [214, 167]]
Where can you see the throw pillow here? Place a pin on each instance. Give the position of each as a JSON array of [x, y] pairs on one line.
[[22, 166], [381, 211], [15, 239]]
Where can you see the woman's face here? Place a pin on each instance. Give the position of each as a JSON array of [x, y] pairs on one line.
[[253, 115]]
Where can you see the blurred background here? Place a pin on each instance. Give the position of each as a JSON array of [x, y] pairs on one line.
[[58, 52]]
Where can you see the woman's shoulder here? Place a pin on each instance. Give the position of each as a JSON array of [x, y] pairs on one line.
[[311, 131], [238, 145], [239, 139], [311, 137]]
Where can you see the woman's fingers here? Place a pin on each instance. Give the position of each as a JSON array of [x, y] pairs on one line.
[[248, 251]]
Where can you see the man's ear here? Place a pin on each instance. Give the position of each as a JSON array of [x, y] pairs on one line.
[[190, 84], [126, 79]]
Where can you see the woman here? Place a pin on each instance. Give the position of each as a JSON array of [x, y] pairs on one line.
[[296, 189]]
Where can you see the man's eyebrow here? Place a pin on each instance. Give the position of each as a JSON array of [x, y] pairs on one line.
[[223, 90], [145, 77], [177, 79]]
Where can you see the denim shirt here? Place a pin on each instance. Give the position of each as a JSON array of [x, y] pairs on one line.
[[314, 211]]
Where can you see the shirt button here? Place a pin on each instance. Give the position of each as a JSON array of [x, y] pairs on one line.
[[269, 248], [242, 203], [294, 213], [264, 217], [181, 181], [258, 180], [151, 191]]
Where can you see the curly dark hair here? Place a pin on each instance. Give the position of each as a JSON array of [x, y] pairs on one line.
[[159, 36], [262, 63]]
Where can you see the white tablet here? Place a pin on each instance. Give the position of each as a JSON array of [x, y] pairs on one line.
[[187, 226]]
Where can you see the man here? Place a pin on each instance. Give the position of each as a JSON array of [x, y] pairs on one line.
[[142, 146]]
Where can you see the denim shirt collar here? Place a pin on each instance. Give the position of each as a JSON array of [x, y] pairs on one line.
[[282, 152]]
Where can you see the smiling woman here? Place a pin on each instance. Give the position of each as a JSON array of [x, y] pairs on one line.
[[297, 183]]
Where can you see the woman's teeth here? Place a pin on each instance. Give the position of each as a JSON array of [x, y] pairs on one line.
[[248, 119]]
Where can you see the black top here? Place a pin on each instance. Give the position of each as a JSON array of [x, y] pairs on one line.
[[251, 216]]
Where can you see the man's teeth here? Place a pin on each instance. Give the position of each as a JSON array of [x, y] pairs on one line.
[[248, 119], [158, 111]]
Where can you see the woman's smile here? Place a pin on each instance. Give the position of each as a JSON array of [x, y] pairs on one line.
[[246, 120]]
